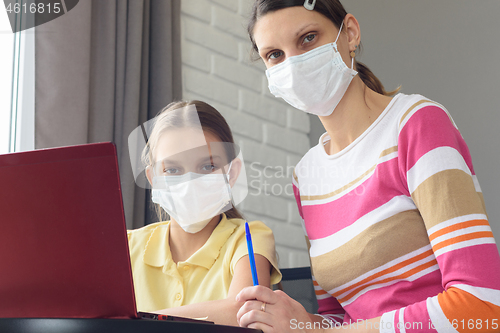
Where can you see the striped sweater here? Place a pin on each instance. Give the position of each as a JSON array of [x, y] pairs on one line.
[[396, 226]]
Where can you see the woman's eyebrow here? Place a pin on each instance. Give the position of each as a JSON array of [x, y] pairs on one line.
[[299, 32], [305, 27], [265, 49]]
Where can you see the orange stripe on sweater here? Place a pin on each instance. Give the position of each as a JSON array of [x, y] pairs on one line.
[[398, 277], [387, 271], [469, 313], [463, 238], [320, 292], [458, 226]]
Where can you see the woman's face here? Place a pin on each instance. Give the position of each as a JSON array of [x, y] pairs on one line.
[[292, 31]]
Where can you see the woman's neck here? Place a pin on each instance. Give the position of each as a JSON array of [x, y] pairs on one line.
[[357, 110], [184, 244]]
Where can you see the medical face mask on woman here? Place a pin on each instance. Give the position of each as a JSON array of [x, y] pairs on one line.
[[192, 199], [313, 82]]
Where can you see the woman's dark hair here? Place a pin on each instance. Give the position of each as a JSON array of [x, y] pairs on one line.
[[210, 120], [331, 9]]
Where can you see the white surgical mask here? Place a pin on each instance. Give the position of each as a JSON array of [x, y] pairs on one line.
[[192, 200], [314, 81]]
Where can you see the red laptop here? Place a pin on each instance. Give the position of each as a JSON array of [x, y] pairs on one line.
[[63, 243]]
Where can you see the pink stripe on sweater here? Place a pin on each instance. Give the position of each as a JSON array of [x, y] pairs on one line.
[[329, 305], [482, 259], [296, 193], [396, 296], [427, 129], [417, 313], [326, 219]]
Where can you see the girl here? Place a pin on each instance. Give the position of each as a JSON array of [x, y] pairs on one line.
[[398, 234], [196, 263]]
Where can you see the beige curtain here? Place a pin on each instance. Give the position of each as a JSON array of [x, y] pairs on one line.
[[103, 69]]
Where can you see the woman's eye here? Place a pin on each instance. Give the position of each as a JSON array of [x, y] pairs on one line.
[[275, 55], [309, 38]]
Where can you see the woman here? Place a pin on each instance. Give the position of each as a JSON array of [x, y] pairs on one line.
[[394, 216], [196, 263]]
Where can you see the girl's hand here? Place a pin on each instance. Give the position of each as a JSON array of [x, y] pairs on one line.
[[279, 314]]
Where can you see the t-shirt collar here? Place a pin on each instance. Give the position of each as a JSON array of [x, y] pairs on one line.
[[157, 251]]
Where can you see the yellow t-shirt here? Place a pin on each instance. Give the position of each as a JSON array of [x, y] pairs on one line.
[[159, 283]]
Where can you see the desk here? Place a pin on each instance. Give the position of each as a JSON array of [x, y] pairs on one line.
[[24, 325]]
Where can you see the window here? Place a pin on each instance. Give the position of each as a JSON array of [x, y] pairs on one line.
[[17, 87], [6, 57]]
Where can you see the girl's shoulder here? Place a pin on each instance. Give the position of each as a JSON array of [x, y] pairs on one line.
[[257, 228], [145, 231], [240, 224]]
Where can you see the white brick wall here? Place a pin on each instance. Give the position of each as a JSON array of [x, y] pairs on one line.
[[217, 69]]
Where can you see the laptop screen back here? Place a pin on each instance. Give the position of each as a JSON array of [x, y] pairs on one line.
[[63, 243]]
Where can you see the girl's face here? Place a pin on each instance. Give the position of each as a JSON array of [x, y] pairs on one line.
[[184, 150], [292, 31]]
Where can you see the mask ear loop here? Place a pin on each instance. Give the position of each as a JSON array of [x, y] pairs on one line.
[[228, 185], [228, 170], [338, 35], [340, 30], [336, 39]]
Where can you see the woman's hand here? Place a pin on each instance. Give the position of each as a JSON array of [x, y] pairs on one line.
[[279, 314]]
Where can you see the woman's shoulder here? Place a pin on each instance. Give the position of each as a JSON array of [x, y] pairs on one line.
[[407, 105]]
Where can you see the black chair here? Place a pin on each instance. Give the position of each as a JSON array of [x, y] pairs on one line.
[[297, 283]]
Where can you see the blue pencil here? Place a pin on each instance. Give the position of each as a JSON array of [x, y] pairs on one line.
[[251, 255]]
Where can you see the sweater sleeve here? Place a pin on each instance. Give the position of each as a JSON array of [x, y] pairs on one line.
[[435, 163], [328, 306]]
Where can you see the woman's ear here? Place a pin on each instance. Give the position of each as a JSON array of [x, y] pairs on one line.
[[150, 174], [353, 32], [234, 172]]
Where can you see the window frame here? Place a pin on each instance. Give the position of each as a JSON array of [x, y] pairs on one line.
[[21, 120]]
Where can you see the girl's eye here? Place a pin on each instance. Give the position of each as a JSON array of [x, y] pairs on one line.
[[209, 168], [309, 38], [275, 55], [172, 171]]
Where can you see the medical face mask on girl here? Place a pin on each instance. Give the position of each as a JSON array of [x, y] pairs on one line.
[[313, 82], [192, 199]]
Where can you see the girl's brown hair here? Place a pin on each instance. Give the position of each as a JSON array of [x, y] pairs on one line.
[[210, 120], [334, 11]]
